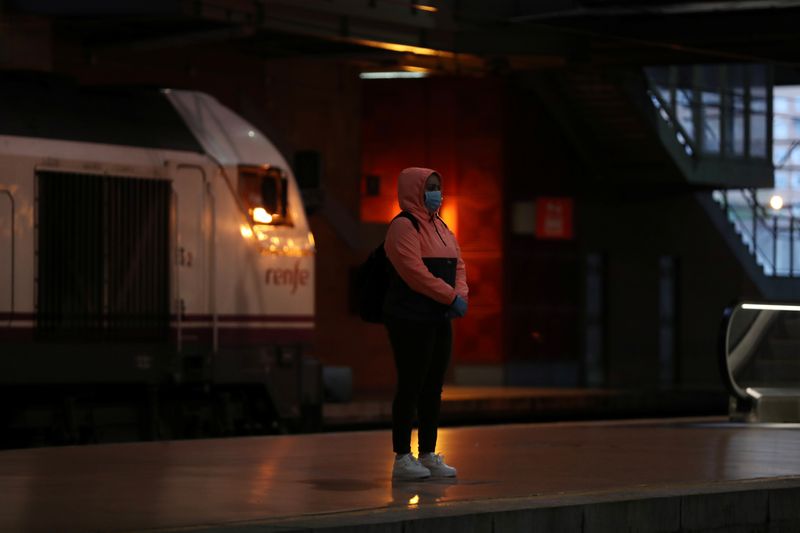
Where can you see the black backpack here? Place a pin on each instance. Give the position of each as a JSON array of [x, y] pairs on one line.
[[373, 279]]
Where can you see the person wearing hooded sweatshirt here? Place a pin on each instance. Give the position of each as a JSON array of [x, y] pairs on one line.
[[429, 290]]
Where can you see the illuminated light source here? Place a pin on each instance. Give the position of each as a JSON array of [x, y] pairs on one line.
[[753, 393], [771, 307], [414, 500], [251, 133], [776, 202], [311, 239], [405, 48], [449, 214], [429, 9], [389, 75], [246, 232], [261, 216]]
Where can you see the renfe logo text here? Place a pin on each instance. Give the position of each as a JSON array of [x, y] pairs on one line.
[[288, 276]]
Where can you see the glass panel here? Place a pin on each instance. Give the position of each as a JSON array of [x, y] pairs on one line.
[[780, 104], [709, 81], [684, 111], [264, 194], [711, 122], [781, 179], [796, 253], [736, 84], [738, 126], [274, 193], [782, 251], [758, 111], [781, 127], [758, 135]]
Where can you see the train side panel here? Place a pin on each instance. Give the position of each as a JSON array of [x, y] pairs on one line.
[[239, 307]]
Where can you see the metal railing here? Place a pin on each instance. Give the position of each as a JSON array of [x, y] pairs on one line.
[[769, 235], [667, 113], [684, 126], [719, 121], [720, 111]]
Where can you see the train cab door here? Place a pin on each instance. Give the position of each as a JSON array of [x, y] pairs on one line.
[[191, 203], [6, 256]]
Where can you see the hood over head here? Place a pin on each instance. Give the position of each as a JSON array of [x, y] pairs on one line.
[[410, 190]]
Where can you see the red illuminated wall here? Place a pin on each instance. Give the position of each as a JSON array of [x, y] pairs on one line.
[[456, 127]]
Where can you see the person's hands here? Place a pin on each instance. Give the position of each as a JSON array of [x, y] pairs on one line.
[[458, 308]]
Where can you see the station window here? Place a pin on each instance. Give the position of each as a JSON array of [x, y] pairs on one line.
[[264, 191], [780, 104], [781, 179]]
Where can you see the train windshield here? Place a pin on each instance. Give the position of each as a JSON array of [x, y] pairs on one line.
[[264, 193]]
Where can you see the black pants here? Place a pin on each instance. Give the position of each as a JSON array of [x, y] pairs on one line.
[[421, 355]]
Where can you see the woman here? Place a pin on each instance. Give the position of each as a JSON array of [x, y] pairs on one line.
[[430, 289]]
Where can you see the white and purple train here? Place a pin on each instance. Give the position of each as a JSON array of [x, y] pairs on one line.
[[156, 269]]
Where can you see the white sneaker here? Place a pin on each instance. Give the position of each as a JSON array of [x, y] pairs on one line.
[[435, 463], [407, 467]]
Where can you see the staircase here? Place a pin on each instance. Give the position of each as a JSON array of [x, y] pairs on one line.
[[755, 256], [601, 111], [645, 129], [764, 240]]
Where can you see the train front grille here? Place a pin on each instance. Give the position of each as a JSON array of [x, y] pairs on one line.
[[103, 258]]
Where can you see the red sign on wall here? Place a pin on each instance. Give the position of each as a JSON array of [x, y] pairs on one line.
[[554, 218]]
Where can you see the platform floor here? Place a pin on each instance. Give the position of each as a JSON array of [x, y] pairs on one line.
[[335, 479], [474, 404]]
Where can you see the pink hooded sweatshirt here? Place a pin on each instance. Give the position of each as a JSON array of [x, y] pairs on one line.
[[428, 261]]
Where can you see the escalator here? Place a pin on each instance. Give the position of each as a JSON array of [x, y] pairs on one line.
[[759, 355]]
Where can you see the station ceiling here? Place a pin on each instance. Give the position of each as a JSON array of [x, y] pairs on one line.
[[449, 35]]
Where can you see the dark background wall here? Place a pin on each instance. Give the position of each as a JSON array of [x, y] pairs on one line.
[[633, 231], [543, 289], [630, 230]]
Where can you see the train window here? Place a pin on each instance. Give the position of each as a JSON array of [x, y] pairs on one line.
[[264, 192]]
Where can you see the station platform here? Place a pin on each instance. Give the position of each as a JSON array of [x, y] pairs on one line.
[[697, 474], [476, 405]]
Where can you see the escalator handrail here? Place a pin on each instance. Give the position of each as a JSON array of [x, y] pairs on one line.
[[722, 353], [757, 329]]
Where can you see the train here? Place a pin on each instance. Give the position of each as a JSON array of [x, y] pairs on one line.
[[156, 269]]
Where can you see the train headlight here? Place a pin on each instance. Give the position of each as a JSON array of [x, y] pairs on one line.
[[261, 216], [264, 193]]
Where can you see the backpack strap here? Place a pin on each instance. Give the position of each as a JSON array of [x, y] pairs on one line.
[[409, 216], [441, 220]]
